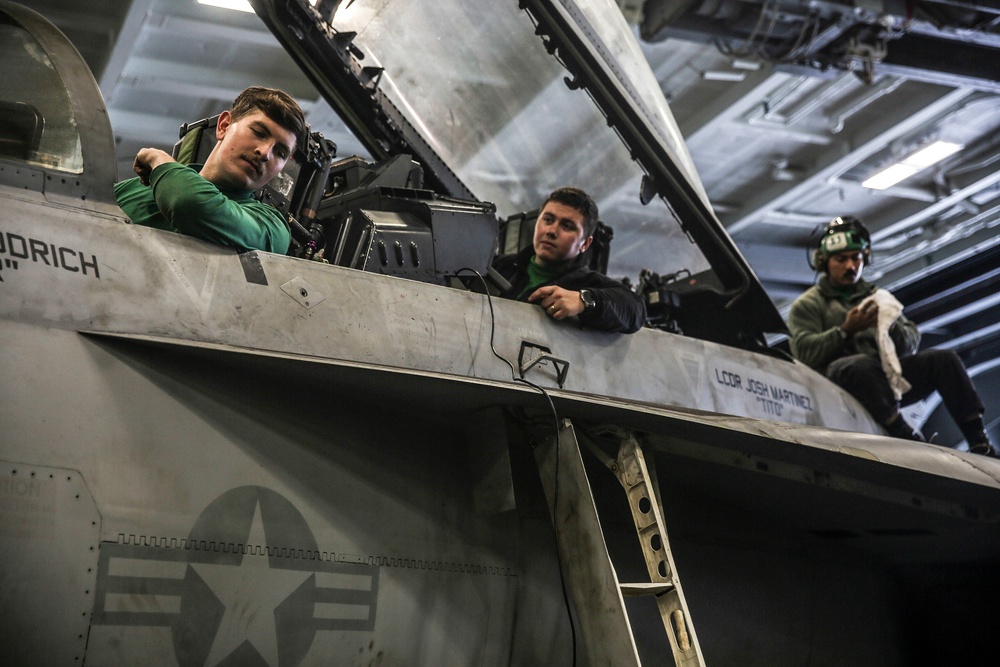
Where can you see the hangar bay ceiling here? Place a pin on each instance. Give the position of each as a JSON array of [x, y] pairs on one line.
[[787, 106]]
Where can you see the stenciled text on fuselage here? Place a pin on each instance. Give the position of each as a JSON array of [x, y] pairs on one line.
[[769, 396], [14, 247]]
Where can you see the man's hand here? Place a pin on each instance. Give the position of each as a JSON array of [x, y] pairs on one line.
[[859, 319], [558, 303], [148, 159]]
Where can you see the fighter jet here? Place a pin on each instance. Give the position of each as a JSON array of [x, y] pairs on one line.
[[356, 454]]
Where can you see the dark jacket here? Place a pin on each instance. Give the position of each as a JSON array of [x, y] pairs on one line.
[[820, 310], [617, 309]]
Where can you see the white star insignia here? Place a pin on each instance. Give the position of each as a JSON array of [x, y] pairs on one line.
[[250, 591]]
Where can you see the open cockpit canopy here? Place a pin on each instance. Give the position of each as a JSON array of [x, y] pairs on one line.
[[494, 101], [506, 101]]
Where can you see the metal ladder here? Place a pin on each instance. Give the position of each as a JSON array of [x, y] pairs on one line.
[[598, 596]]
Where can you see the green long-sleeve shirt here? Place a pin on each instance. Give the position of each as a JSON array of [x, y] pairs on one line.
[[179, 199], [818, 313]]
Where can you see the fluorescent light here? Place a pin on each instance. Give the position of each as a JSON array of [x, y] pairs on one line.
[[890, 176], [912, 164], [722, 75], [739, 63], [238, 5], [932, 154]]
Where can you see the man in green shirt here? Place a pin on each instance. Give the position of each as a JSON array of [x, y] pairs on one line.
[[215, 201]]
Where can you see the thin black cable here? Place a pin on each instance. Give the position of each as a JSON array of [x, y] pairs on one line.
[[555, 418]]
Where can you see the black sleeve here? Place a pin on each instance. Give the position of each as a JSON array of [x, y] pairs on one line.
[[617, 309]]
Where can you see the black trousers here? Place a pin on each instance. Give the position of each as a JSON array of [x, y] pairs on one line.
[[928, 371]]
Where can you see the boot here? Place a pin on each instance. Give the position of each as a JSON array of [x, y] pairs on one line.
[[982, 448], [975, 434]]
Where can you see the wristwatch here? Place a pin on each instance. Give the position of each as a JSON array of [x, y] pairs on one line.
[[843, 333], [588, 299]]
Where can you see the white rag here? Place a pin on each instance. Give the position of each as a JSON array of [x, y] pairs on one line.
[[889, 308]]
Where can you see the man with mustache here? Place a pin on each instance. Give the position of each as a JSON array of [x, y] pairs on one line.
[[215, 201], [553, 272], [833, 332]]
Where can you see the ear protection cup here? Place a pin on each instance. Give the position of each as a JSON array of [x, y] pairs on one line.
[[816, 261]]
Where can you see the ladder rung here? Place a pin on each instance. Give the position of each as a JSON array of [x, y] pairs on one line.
[[634, 590]]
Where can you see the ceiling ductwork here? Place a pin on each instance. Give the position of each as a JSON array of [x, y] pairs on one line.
[[929, 40]]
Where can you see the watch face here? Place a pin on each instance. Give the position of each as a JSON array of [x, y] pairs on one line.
[[588, 298]]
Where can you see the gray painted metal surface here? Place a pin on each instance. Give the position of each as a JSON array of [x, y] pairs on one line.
[[275, 460], [126, 279], [336, 532], [162, 431], [50, 529]]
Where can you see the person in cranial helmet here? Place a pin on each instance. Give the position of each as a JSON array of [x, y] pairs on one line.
[[836, 329]]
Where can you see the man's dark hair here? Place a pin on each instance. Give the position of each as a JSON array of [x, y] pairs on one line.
[[581, 201], [277, 104]]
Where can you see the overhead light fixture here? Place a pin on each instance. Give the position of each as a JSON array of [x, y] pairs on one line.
[[740, 63], [912, 164], [238, 5], [722, 75]]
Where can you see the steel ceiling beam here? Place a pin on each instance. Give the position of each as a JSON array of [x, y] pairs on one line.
[[124, 47], [915, 110]]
